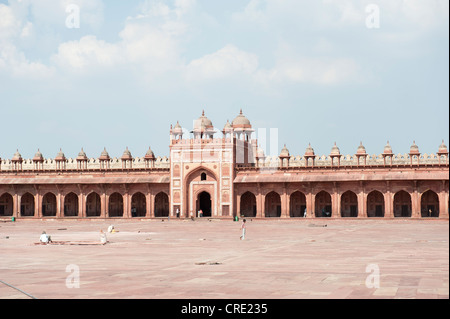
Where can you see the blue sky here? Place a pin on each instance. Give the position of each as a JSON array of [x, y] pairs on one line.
[[312, 69]]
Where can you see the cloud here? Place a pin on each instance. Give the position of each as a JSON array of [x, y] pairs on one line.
[[225, 62]]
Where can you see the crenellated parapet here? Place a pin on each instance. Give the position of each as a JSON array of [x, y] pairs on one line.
[[82, 162]]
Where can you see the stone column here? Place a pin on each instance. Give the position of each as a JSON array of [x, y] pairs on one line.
[[309, 205], [443, 204]]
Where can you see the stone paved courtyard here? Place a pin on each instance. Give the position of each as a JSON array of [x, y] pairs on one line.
[[185, 259]]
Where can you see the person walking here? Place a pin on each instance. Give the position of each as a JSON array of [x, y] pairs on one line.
[[243, 228]]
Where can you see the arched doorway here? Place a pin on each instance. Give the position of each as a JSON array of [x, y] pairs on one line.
[[297, 204], [429, 204], [115, 207], [71, 205], [402, 204], [93, 205], [161, 205], [204, 204], [349, 204], [6, 205], [375, 204], [49, 205], [273, 205], [27, 205], [248, 205], [138, 205], [323, 204]]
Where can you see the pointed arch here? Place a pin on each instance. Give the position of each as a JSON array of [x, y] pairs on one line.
[[161, 205], [272, 205], [6, 205], [429, 204], [27, 208], [402, 204], [323, 204], [115, 205], [49, 205], [71, 205], [349, 204], [248, 204], [297, 204], [375, 204]]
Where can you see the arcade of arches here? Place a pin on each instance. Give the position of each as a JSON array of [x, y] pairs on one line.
[[348, 204], [296, 204], [90, 205]]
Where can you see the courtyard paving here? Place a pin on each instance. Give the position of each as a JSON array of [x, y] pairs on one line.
[[184, 259]]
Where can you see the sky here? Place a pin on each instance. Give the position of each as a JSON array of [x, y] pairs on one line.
[[114, 74]]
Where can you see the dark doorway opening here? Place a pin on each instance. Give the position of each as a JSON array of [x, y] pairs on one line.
[[204, 204]]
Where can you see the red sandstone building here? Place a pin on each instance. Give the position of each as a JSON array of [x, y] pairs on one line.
[[227, 176]]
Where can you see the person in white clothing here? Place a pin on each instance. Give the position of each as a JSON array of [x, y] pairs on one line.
[[45, 238]]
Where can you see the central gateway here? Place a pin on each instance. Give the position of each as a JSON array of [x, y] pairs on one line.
[[202, 166]]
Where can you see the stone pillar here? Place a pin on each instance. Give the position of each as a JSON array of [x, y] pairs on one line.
[[388, 205], [335, 204], [104, 205], [127, 205], [284, 204], [38, 205], [16, 205], [148, 200], [59, 205], [443, 204], [81, 205], [362, 207], [309, 205], [238, 205]]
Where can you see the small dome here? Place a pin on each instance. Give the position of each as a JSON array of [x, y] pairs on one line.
[[227, 127], [82, 155], [443, 148], [309, 151], [17, 156], [414, 149], [284, 152], [149, 154], [60, 156], [104, 155], [203, 123], [38, 156], [361, 149], [335, 150], [260, 153], [387, 149], [127, 155], [177, 129], [241, 121]]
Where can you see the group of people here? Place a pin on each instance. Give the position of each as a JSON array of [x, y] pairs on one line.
[[46, 239]]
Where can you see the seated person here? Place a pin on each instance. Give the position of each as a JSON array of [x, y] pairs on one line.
[[45, 238]]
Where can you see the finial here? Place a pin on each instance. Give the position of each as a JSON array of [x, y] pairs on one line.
[[203, 113]]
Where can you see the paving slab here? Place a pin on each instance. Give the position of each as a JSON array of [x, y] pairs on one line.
[[199, 259]]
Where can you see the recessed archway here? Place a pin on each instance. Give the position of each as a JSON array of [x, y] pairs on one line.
[[273, 205], [115, 207], [402, 204], [93, 205], [297, 204], [49, 205], [138, 205], [204, 204], [429, 204], [349, 204], [161, 205], [248, 205], [71, 205], [27, 205], [6, 205], [323, 204], [375, 204]]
